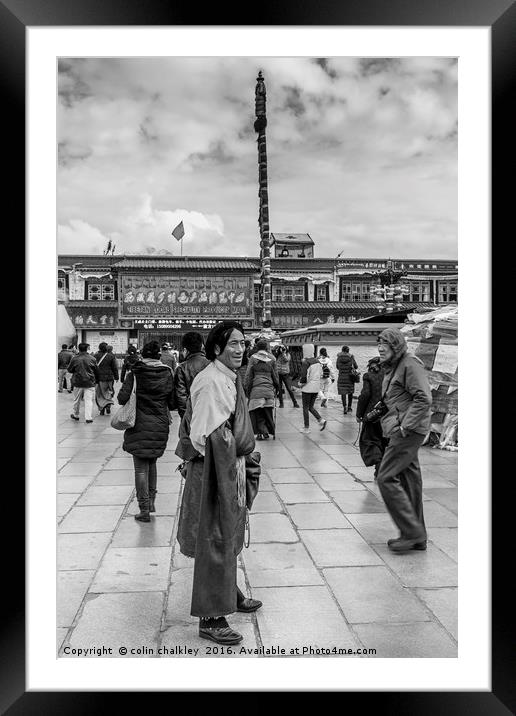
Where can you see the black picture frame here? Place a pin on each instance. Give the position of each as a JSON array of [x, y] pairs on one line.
[[500, 15]]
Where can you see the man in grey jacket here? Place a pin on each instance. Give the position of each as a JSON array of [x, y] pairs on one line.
[[408, 399]]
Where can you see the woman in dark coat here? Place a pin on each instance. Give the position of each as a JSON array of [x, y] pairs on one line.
[[108, 373], [130, 359], [345, 384], [372, 443], [147, 440], [261, 386]]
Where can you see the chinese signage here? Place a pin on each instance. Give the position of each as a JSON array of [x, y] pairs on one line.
[[101, 317], [180, 324], [154, 296]]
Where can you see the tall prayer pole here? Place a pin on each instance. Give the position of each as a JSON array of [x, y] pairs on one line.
[[263, 194]]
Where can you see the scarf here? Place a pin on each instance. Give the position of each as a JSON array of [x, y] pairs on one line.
[[213, 398]]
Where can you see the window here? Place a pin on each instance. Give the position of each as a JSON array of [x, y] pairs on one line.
[[427, 266], [419, 291], [447, 292], [94, 292], [108, 291], [284, 252], [281, 292], [320, 293], [257, 292], [61, 288], [434, 266]]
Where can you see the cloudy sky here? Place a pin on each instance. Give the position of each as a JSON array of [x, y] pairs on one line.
[[362, 155]]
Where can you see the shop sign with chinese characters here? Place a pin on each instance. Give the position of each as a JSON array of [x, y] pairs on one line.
[[93, 317], [213, 296]]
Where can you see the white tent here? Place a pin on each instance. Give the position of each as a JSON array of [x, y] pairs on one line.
[[65, 328]]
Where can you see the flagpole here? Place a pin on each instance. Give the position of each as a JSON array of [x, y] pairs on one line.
[[181, 245]]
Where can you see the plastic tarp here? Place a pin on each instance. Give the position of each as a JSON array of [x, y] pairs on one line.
[[65, 329], [433, 338]]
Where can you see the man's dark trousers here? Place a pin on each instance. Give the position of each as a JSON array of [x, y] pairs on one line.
[[287, 382], [399, 480]]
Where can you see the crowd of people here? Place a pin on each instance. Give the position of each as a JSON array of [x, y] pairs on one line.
[[225, 392]]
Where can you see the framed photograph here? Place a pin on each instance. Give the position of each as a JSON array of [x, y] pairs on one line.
[[142, 147]]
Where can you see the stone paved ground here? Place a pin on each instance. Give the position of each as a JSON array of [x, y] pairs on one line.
[[318, 557]]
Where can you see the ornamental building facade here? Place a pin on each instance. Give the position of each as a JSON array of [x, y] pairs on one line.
[[133, 299]]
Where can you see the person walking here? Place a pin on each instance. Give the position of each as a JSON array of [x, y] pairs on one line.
[[406, 422], [108, 373], [167, 357], [63, 360], [130, 359], [328, 376], [222, 470], [345, 383], [85, 375], [283, 367], [310, 380], [261, 385], [147, 439], [195, 361], [371, 442]]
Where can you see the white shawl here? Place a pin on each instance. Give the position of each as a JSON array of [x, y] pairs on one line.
[[213, 396]]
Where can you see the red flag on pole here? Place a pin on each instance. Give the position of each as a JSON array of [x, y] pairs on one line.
[[179, 231]]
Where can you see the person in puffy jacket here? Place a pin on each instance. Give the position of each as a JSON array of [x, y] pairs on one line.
[[372, 444], [147, 440], [186, 371], [261, 385], [283, 365], [408, 399], [130, 359], [328, 376], [63, 359], [85, 374], [345, 384], [310, 380], [108, 373]]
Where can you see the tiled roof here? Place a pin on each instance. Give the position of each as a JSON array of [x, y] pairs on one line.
[[87, 262], [292, 238], [295, 264], [185, 263], [347, 306]]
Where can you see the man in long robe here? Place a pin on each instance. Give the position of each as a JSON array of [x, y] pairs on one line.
[[216, 441]]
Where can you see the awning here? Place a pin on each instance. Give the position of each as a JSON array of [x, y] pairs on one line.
[[65, 328]]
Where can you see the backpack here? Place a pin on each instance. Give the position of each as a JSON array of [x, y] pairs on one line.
[[314, 372], [325, 370]]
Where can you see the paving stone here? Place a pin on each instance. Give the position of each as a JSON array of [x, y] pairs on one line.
[[115, 477], [266, 502], [321, 515], [96, 456], [374, 528], [341, 449], [66, 451], [445, 497], [265, 482], [333, 483], [181, 629], [278, 565], [120, 463], [165, 503], [301, 493], [91, 519], [438, 516], [280, 458], [338, 547], [79, 469], [61, 462], [315, 620], [128, 569], [289, 475], [81, 551], [443, 603], [421, 569], [272, 527], [119, 620], [372, 594], [156, 533], [357, 501], [64, 503], [71, 588], [364, 474], [61, 633], [407, 641], [71, 485], [168, 485], [106, 495], [435, 481], [445, 538], [351, 462]]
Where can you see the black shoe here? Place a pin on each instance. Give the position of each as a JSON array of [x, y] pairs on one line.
[[259, 436], [296, 405], [108, 410], [221, 635], [281, 405], [406, 545], [88, 421], [70, 391], [74, 417], [101, 411], [142, 516], [345, 411], [265, 436], [249, 605]]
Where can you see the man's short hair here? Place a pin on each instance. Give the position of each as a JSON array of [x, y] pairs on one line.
[[83, 347], [151, 350], [345, 349], [64, 346], [192, 342]]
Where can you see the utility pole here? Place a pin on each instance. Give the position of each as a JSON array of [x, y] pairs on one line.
[[263, 194]]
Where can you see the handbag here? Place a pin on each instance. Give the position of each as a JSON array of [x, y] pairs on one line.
[[126, 417]]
